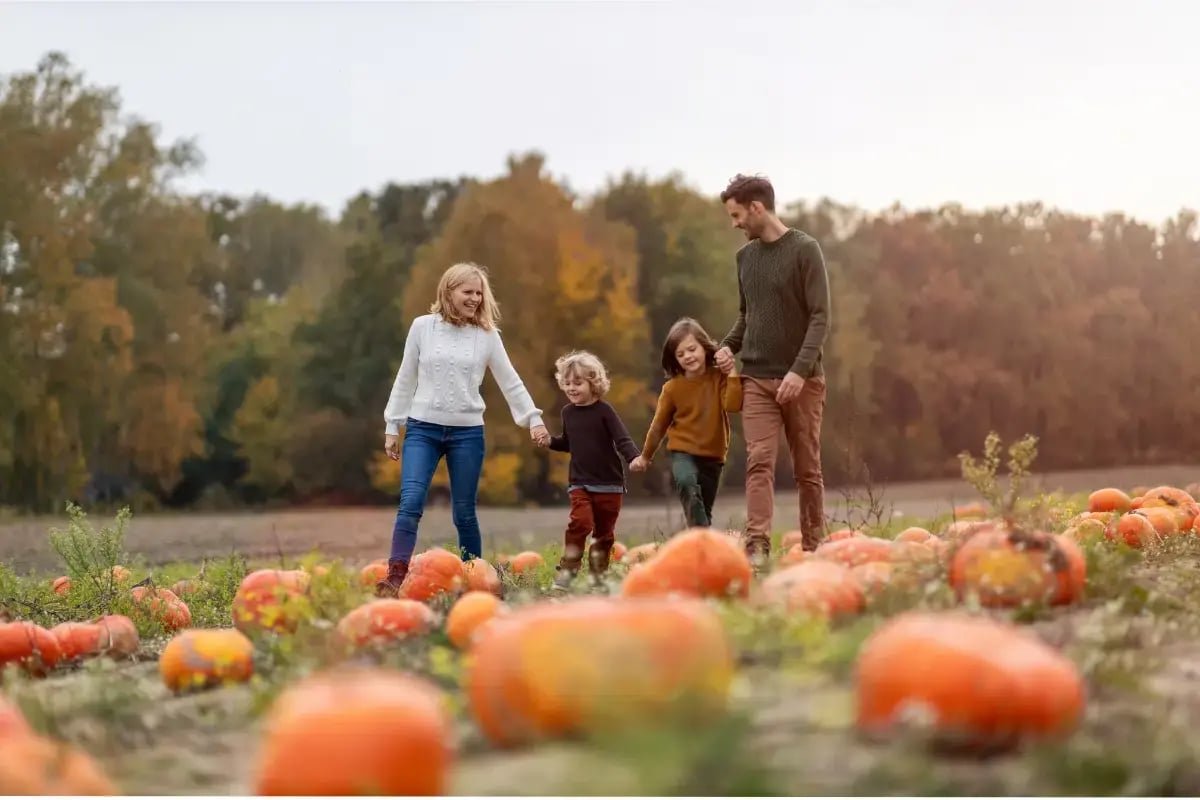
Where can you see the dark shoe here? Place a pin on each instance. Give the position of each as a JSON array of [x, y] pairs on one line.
[[563, 579], [390, 586]]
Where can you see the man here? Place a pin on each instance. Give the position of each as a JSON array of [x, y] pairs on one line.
[[780, 333]]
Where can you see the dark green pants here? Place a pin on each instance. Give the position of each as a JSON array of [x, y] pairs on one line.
[[696, 480]]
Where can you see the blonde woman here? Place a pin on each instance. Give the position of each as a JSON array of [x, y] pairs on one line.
[[435, 398]]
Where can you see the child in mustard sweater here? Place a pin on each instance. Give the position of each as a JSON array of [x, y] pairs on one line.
[[693, 412]]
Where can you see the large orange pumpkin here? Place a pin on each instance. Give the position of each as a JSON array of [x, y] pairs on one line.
[[481, 576], [121, 636], [80, 639], [387, 620], [824, 588], [1109, 499], [31, 646], [547, 670], [35, 765], [204, 657], [468, 614], [270, 599], [972, 681], [794, 555], [373, 573], [1012, 566], [856, 550], [12, 721], [356, 731], [915, 534], [699, 562], [432, 573], [1134, 529]]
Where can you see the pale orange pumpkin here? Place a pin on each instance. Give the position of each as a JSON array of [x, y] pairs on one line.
[[546, 670], [794, 555], [915, 534], [526, 561], [186, 586], [270, 599], [31, 646], [12, 721], [79, 640], [384, 621], [204, 657], [856, 550], [844, 533], [432, 573], [163, 606], [970, 511], [640, 553], [356, 731], [618, 551], [36, 765], [61, 585], [873, 577], [972, 681], [469, 612], [1012, 566], [1134, 529], [373, 573], [121, 636], [823, 588], [482, 577], [698, 562], [1110, 499], [1164, 519]]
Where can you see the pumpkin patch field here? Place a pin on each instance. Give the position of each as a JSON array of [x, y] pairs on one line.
[[1033, 646]]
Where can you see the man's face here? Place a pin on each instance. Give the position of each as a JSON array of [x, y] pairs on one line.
[[747, 219]]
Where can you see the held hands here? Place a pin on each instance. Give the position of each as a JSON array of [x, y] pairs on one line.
[[540, 436], [639, 464], [789, 389], [724, 357], [391, 445]]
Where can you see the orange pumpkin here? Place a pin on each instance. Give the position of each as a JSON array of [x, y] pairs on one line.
[[1164, 519], [162, 605], [856, 550], [119, 574], [546, 670], [843, 534], [185, 587], [80, 639], [964, 527], [824, 588], [794, 555], [353, 731], [618, 551], [387, 620], [61, 585], [914, 534], [913, 553], [1187, 514], [640, 553], [482, 577], [698, 562], [12, 721], [432, 573], [1109, 499], [270, 599], [1166, 495], [873, 577], [373, 573], [1011, 566], [121, 636], [204, 657], [974, 681], [970, 511], [33, 647], [1134, 529], [526, 561], [35, 765], [1085, 530], [468, 613]]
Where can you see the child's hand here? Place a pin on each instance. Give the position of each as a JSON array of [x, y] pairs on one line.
[[639, 464], [540, 436]]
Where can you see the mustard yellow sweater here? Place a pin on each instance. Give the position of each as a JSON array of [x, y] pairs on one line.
[[694, 414]]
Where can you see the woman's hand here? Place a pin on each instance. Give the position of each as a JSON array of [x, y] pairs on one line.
[[391, 445], [539, 435]]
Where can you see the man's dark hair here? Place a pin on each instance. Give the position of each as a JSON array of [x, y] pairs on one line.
[[745, 189]]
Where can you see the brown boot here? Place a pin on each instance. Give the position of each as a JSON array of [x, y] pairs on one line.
[[390, 586]]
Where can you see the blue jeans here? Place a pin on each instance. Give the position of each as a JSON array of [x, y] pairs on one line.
[[424, 446]]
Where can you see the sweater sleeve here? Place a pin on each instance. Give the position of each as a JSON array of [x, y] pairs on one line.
[[731, 393], [663, 415], [815, 281], [733, 339], [562, 442], [395, 414], [620, 435], [520, 403]]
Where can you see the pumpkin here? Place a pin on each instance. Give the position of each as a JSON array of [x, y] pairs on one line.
[[482, 577], [185, 587], [1166, 495], [823, 588], [204, 657], [791, 539], [33, 647], [844, 533], [547, 670], [121, 635], [794, 555], [698, 562], [1109, 499], [618, 551], [873, 576], [12, 721], [384, 621], [61, 585], [1134, 529], [1187, 514], [856, 550], [80, 639], [914, 534], [119, 574], [964, 527], [1164, 519], [974, 681], [1085, 530], [913, 553], [468, 613], [970, 511], [373, 573], [1011, 566], [270, 599], [526, 561], [356, 731], [163, 606], [640, 553], [432, 573], [35, 765]]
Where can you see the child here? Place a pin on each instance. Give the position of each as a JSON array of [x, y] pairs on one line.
[[598, 441], [436, 399], [693, 410]]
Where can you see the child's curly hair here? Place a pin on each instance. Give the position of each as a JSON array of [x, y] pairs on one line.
[[584, 365]]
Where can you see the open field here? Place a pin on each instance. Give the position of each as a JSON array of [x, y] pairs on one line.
[[360, 535]]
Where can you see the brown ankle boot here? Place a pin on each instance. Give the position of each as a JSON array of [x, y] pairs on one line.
[[390, 586]]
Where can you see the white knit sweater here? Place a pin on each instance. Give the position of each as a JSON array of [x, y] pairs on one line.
[[442, 370]]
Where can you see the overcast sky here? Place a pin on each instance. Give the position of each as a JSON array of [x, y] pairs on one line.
[[1090, 105]]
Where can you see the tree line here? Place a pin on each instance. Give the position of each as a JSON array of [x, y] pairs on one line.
[[205, 350]]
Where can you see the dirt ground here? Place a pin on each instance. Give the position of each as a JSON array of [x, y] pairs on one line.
[[362, 534]]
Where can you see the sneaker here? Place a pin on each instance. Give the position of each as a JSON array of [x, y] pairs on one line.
[[390, 586], [563, 579]]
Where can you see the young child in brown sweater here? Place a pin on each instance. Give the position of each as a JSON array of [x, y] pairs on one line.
[[600, 446], [693, 412]]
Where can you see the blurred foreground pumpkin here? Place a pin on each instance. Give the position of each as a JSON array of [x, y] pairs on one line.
[[35, 765], [204, 657]]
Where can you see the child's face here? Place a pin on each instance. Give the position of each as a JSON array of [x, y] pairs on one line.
[[467, 297], [691, 356], [577, 389]]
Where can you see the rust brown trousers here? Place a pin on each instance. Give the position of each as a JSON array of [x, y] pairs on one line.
[[800, 421], [592, 513]]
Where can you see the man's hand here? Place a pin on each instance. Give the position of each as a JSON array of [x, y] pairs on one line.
[[639, 464], [724, 360], [391, 445], [539, 435], [789, 389]]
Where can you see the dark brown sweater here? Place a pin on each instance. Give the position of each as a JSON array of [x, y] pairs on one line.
[[783, 317], [597, 440]]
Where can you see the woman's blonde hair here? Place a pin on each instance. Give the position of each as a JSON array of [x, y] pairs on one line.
[[487, 315], [583, 364]]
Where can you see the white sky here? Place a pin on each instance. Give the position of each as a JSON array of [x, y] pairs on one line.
[[1090, 105]]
